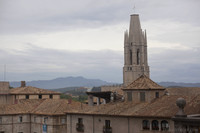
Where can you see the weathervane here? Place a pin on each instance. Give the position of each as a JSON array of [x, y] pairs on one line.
[[134, 10]]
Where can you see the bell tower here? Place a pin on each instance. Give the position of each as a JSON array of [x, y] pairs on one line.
[[135, 52]]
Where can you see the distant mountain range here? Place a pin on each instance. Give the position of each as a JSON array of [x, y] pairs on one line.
[[175, 84], [84, 82], [63, 82]]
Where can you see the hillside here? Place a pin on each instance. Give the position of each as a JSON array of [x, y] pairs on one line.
[[63, 82]]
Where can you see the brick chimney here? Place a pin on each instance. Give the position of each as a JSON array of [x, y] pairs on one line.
[[23, 84]]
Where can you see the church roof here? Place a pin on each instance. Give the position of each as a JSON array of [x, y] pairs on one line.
[[31, 90], [143, 83]]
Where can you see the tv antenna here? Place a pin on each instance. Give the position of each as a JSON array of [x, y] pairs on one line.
[[134, 8]]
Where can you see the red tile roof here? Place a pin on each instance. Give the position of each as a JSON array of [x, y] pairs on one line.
[[143, 82], [41, 106], [31, 90]]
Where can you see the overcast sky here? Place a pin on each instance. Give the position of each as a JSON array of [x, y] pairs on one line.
[[46, 39]]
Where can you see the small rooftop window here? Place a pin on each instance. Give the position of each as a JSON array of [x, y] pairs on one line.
[[157, 95], [40, 96], [27, 96], [0, 119]]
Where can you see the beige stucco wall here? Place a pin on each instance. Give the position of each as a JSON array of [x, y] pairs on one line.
[[149, 95], [21, 96], [94, 124], [33, 97], [6, 99], [11, 124], [45, 96], [56, 96]]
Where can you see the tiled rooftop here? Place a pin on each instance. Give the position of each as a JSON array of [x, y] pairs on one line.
[[41, 106], [161, 107], [31, 90], [143, 82]]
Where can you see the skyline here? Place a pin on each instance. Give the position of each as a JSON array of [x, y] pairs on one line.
[[44, 40]]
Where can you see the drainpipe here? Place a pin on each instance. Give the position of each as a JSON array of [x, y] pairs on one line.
[[128, 126], [12, 123], [71, 123], [30, 123], [93, 123]]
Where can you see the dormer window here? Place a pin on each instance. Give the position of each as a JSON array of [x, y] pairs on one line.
[[142, 96], [157, 94], [129, 95], [27, 96], [40, 96]]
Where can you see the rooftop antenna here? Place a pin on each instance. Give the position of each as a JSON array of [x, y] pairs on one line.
[[134, 9], [4, 72]]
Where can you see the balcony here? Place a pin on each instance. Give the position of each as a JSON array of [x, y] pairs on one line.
[[80, 127], [107, 129]]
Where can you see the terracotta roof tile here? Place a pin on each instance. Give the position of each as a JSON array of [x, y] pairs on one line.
[[143, 82], [164, 106], [31, 90], [41, 106]]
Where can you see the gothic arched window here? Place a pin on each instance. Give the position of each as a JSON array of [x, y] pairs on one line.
[[145, 125], [155, 125], [130, 57], [138, 56], [164, 125]]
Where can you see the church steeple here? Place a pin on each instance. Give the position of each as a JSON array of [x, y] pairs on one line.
[[135, 52]]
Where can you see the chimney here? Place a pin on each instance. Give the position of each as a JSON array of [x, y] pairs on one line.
[[23, 84], [69, 101]]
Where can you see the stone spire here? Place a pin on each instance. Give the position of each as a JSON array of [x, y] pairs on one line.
[[135, 52]]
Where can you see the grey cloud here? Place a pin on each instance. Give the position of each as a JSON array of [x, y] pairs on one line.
[[37, 61], [176, 65], [37, 16]]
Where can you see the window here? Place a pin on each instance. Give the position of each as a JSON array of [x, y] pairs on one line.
[[40, 96], [129, 95], [20, 119], [63, 120], [138, 56], [145, 125], [45, 120], [35, 119], [142, 96], [157, 94], [164, 125], [155, 125], [131, 57], [107, 128], [0, 120], [79, 125], [27, 96], [51, 96]]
